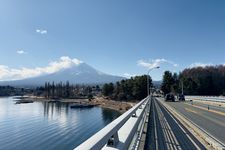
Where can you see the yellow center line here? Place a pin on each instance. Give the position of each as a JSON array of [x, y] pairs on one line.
[[190, 110], [210, 110]]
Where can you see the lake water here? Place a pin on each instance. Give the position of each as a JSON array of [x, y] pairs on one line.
[[48, 126]]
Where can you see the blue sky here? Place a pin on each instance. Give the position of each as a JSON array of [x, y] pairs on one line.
[[113, 36]]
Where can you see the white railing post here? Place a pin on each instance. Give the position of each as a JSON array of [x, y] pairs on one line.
[[113, 141]]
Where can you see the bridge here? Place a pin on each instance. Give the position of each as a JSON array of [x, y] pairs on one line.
[[197, 123]]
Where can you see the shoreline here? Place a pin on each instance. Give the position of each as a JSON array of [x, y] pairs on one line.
[[119, 106]]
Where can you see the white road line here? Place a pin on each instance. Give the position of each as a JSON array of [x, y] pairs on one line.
[[156, 137], [184, 131], [174, 142], [164, 130], [167, 129]]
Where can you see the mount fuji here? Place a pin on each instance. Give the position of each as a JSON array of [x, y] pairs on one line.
[[75, 74]]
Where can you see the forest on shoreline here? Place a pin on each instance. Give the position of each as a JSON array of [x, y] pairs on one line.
[[209, 80]]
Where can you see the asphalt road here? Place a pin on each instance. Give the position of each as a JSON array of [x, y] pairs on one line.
[[212, 120], [165, 132]]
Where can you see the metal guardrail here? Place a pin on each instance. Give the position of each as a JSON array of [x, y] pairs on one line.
[[207, 98], [119, 133]]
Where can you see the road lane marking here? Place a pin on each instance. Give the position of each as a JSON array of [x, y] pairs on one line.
[[210, 110], [190, 110], [164, 133], [164, 129], [193, 142], [173, 139], [156, 136], [185, 131], [167, 130]]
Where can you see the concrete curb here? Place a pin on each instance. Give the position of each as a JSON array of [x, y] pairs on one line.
[[206, 139]]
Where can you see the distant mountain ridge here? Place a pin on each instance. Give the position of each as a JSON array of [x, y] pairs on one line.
[[157, 84], [77, 74]]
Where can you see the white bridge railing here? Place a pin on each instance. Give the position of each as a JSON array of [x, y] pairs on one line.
[[123, 133]]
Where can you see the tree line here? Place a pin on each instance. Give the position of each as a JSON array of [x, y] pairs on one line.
[[129, 89], [208, 80], [12, 91], [67, 90]]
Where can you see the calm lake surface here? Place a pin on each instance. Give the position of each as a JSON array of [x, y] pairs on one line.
[[48, 126]]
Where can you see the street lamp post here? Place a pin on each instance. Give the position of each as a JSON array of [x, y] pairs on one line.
[[148, 91]]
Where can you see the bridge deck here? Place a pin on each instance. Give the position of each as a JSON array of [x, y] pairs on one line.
[[163, 129], [212, 120], [166, 132]]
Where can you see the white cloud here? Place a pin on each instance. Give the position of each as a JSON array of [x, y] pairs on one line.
[[155, 63], [7, 73], [199, 64], [20, 52], [127, 75], [41, 31]]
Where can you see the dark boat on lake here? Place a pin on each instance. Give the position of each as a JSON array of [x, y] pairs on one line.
[[23, 101]]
